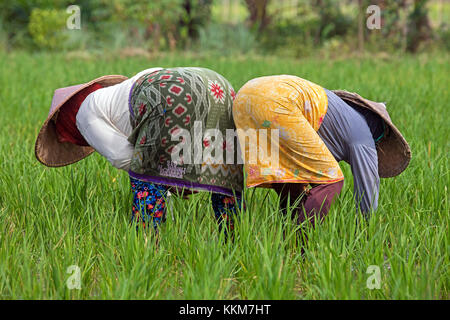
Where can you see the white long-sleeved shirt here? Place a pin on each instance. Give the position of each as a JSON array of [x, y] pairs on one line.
[[104, 121]]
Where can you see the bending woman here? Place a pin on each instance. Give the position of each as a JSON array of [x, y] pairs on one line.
[[139, 125], [317, 129]]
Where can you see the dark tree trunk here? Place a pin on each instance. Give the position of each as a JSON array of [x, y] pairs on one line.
[[419, 28], [187, 5], [258, 14], [361, 26]]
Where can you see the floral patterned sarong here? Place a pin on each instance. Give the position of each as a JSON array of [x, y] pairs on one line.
[[149, 206], [196, 101]]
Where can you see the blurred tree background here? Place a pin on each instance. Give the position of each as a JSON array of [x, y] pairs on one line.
[[285, 27]]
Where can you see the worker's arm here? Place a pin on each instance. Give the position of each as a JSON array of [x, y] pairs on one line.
[[363, 160], [102, 135]]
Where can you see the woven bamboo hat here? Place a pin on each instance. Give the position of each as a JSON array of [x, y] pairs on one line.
[[48, 150], [393, 151]]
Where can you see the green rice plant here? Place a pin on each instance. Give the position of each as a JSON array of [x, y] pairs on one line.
[[55, 218]]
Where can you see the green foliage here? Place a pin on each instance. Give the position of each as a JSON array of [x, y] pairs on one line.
[[167, 22], [226, 39], [51, 218], [295, 36], [333, 24], [196, 15], [332, 21], [405, 25], [3, 37], [312, 25], [419, 29], [160, 24], [16, 17], [278, 26], [444, 36], [258, 17], [47, 28]]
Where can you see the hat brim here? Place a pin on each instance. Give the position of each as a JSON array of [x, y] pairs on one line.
[[52, 153], [394, 153]]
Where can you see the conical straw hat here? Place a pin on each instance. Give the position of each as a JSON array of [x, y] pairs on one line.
[[48, 150], [393, 151]]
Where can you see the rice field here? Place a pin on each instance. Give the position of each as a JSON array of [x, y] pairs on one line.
[[52, 219]]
